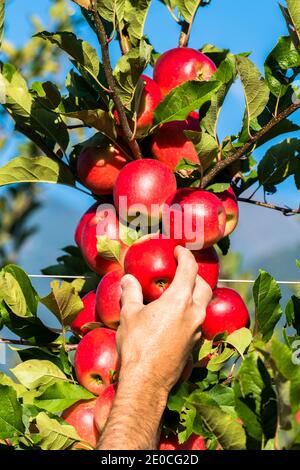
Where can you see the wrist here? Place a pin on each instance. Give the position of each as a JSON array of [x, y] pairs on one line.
[[142, 387]]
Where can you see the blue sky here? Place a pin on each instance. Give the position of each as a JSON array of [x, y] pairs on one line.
[[238, 25]]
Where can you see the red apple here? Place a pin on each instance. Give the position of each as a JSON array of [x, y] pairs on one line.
[[151, 97], [87, 314], [226, 312], [194, 442], [231, 207], [208, 264], [141, 186], [89, 214], [195, 218], [98, 167], [179, 65], [104, 405], [96, 360], [108, 299], [81, 417], [170, 144], [153, 263], [103, 226]]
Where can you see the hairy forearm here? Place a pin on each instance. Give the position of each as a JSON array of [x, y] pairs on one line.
[[135, 418]]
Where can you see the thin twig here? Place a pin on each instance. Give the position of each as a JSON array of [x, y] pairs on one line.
[[247, 147], [78, 126], [283, 210], [186, 29], [127, 132], [23, 342]]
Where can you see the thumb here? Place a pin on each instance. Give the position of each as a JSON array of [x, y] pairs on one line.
[[131, 292]]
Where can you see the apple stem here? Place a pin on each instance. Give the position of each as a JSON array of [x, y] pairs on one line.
[[284, 210], [186, 27], [101, 35], [248, 146], [185, 34]]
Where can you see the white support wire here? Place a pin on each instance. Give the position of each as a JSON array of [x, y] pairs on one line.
[[224, 281]]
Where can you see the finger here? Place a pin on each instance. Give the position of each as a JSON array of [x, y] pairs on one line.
[[131, 292], [119, 339], [202, 295], [185, 277]]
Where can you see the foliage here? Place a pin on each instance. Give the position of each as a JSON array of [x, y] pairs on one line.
[[245, 387]]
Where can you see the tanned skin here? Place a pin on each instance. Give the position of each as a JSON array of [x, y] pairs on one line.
[[154, 343]]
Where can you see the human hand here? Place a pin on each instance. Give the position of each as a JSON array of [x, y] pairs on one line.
[[156, 340]]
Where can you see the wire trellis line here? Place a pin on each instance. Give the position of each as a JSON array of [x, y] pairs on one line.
[[225, 281]]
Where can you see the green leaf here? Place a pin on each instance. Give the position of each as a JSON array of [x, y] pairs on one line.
[[205, 349], [81, 51], [129, 69], [218, 187], [11, 424], [128, 235], [188, 8], [225, 74], [267, 295], [283, 57], [292, 313], [285, 365], [6, 380], [111, 10], [184, 99], [135, 15], [255, 89], [294, 12], [177, 397], [279, 162], [30, 116], [224, 245], [26, 354], [227, 431], [109, 249], [29, 328], [60, 395], [11, 293], [187, 419], [223, 395], [2, 14], [17, 291], [205, 145], [63, 301], [35, 170], [53, 435], [217, 363], [34, 373], [96, 118], [255, 398], [240, 340]]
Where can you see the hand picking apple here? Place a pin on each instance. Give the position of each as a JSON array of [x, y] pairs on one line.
[[154, 342]]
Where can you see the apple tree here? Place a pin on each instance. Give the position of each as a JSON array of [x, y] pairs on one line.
[[243, 389]]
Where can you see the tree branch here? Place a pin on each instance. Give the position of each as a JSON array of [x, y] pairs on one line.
[[283, 210], [23, 342], [248, 145], [186, 28], [101, 35]]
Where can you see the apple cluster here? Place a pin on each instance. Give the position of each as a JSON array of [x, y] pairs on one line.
[[112, 247]]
